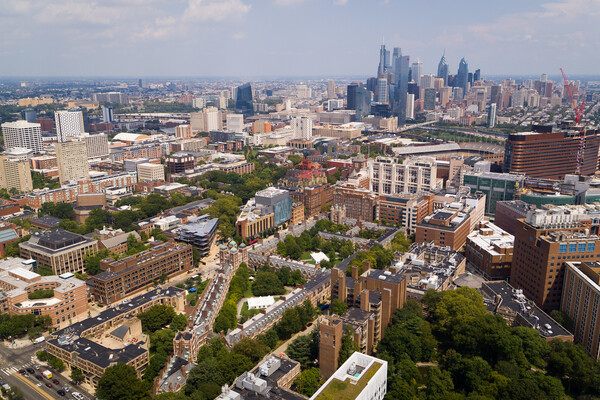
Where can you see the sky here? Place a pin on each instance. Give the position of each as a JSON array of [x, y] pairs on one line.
[[282, 38]]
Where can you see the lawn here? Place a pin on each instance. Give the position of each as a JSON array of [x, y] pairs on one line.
[[246, 313], [338, 390]]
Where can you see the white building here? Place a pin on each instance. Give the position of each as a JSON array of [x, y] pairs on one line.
[[68, 124], [417, 71], [148, 172], [72, 160], [235, 122], [364, 374], [22, 134], [415, 175], [302, 127], [410, 105], [97, 145]]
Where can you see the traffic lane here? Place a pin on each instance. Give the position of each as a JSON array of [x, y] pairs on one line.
[[38, 389], [28, 392]]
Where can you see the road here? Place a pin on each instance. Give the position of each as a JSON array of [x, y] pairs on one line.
[[13, 359]]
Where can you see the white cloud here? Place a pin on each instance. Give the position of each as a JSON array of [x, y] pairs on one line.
[[285, 3], [219, 10]]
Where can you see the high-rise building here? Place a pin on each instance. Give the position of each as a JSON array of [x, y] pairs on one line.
[[410, 106], [351, 96], [581, 302], [414, 175], [107, 114], [207, 120], [363, 102], [551, 155], [140, 83], [22, 134], [96, 145], [183, 131], [492, 116], [496, 95], [111, 97], [477, 75], [382, 91], [235, 122], [429, 99], [243, 100], [72, 160], [68, 124], [401, 87], [29, 115], [331, 89], [15, 174], [462, 78], [384, 57], [302, 127], [417, 71], [442, 71], [544, 242]]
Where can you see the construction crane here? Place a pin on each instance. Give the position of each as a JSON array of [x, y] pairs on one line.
[[578, 115]]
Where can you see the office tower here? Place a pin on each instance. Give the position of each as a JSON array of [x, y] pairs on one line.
[[235, 123], [303, 92], [384, 60], [551, 155], [427, 81], [417, 71], [458, 93], [22, 134], [477, 75], [445, 94], [496, 94], [410, 106], [15, 174], [68, 124], [140, 83], [96, 145], [331, 89], [518, 98], [302, 127], [183, 131], [29, 115], [382, 91], [107, 114], [363, 102], [470, 78], [442, 71], [544, 242], [351, 96], [462, 78], [243, 100], [372, 84], [544, 77], [72, 160], [429, 99], [492, 116], [401, 72]]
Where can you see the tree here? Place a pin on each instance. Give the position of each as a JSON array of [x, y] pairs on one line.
[[97, 219], [156, 317], [14, 393], [338, 307], [308, 382], [120, 382], [303, 350], [348, 346], [267, 283], [92, 261], [439, 383], [76, 375], [179, 322]]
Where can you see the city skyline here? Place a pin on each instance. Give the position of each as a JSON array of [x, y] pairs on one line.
[[285, 38]]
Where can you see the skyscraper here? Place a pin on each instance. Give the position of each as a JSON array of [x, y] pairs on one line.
[[462, 78], [477, 75], [401, 72], [331, 89], [429, 99], [410, 106], [15, 173], [382, 91], [302, 127], [22, 134], [442, 71], [72, 160], [107, 114], [29, 115], [68, 124], [492, 116], [363, 102], [243, 100], [351, 96], [384, 60], [417, 71]]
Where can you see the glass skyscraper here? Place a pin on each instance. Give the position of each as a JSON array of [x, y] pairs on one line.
[[442, 71], [462, 78], [243, 100]]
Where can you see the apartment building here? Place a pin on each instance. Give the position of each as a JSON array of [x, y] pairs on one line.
[[121, 278], [15, 174], [72, 160], [414, 175], [60, 250]]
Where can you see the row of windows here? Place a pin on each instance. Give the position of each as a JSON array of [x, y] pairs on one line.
[[573, 247]]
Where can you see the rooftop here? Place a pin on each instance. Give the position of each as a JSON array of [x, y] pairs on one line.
[[96, 353], [56, 240]]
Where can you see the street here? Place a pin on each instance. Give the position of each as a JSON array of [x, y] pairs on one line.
[[23, 357]]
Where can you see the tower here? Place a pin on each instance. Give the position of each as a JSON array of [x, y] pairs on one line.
[[417, 71], [442, 71], [68, 124], [331, 89], [22, 134], [72, 160], [107, 114], [462, 78], [243, 100], [401, 90], [492, 116]]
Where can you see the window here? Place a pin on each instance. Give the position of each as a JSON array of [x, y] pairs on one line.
[[562, 248], [591, 246], [572, 247], [581, 247]]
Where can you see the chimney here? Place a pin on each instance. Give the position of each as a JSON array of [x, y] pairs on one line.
[[366, 266], [355, 272], [183, 372]]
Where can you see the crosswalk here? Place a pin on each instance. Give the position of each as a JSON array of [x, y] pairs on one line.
[[13, 370]]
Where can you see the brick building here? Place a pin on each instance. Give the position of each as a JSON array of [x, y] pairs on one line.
[[490, 249]]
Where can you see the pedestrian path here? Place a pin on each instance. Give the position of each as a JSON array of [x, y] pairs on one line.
[[11, 370]]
